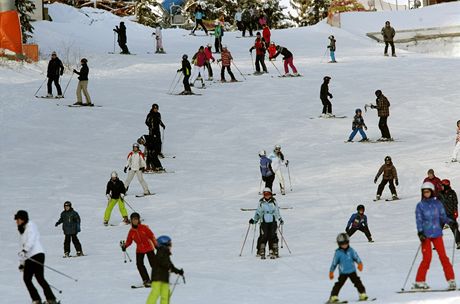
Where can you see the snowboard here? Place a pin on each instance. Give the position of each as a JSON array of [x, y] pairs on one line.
[[426, 290], [143, 195], [254, 209]]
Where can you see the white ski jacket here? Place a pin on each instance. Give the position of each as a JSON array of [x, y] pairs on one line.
[[30, 242], [136, 161], [276, 161]]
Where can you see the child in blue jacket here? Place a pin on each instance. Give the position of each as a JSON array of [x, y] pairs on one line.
[[357, 126], [70, 221], [358, 221], [345, 257]]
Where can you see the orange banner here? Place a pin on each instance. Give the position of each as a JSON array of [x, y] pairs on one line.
[[10, 31]]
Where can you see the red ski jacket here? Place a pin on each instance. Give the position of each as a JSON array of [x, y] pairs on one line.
[[259, 45], [266, 34], [436, 182], [143, 237], [208, 53]]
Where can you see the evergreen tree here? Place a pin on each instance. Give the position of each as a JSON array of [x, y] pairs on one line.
[[301, 8], [25, 9], [274, 13], [309, 12], [147, 12]]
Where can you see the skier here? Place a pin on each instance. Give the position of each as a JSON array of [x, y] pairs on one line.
[[83, 83], [162, 266], [145, 245], [136, 166], [358, 221], [122, 38], [436, 181], [186, 71], [331, 48], [266, 34], [247, 21], [268, 213], [199, 14], [345, 257], [151, 144], [288, 60], [271, 50], [323, 95], [268, 175], [226, 59], [390, 176], [357, 126], [383, 111], [115, 192], [277, 158], [55, 69], [239, 19], [70, 220], [449, 200], [159, 40], [209, 58], [388, 34], [457, 144], [153, 122], [32, 258], [218, 36], [199, 60], [259, 45], [430, 219]]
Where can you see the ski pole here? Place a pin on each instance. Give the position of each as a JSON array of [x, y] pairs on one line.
[[55, 288], [65, 90], [172, 82], [453, 249], [410, 270], [114, 38], [281, 230], [40, 87], [252, 61], [178, 80], [124, 256], [123, 199], [289, 175], [324, 55], [174, 286], [260, 186], [276, 67], [51, 268], [284, 240], [238, 70], [244, 242], [253, 239], [129, 259]]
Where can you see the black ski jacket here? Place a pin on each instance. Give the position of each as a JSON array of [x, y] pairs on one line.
[[162, 265], [186, 67], [70, 221], [153, 121], [84, 71], [115, 188], [283, 51], [324, 92], [121, 31], [449, 201], [55, 68]]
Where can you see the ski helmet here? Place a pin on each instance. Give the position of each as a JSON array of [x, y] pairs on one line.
[[277, 147], [135, 145], [326, 78], [331, 37], [184, 57], [272, 42], [22, 215], [114, 174], [224, 46], [343, 238], [67, 203], [53, 53], [266, 189], [164, 240], [387, 158], [360, 207], [427, 186], [378, 93], [155, 106], [458, 122], [358, 111], [141, 140], [84, 60], [262, 153], [135, 215], [445, 182], [209, 45], [258, 34]]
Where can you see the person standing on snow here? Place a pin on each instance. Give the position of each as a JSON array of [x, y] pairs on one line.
[[266, 34], [199, 14], [122, 38], [457, 144], [388, 34], [146, 244], [32, 258], [159, 40], [449, 200], [383, 111], [199, 60], [389, 175], [277, 158], [358, 221], [436, 181], [288, 59], [54, 71], [430, 218], [226, 59], [331, 48], [186, 70], [115, 192], [70, 220], [239, 19], [247, 22], [153, 122], [268, 175], [83, 83], [150, 142], [218, 30], [136, 166], [323, 95], [209, 58], [357, 126], [271, 50], [259, 46]]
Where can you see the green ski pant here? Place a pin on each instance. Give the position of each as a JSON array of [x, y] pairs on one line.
[[159, 290], [111, 204]]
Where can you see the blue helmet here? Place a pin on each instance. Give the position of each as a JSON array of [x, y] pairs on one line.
[[164, 240]]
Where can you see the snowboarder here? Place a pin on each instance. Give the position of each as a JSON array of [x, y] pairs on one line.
[[162, 266], [259, 46], [358, 221], [122, 38], [430, 219], [323, 95], [266, 34], [186, 70], [268, 175], [136, 166], [449, 200], [457, 144], [209, 58], [226, 59], [383, 111], [271, 50], [388, 34], [32, 258], [268, 213], [199, 14], [70, 220], [83, 83], [288, 60], [151, 144], [159, 40], [153, 122], [436, 181], [345, 257], [277, 158], [146, 244], [247, 21], [390, 176], [331, 48], [199, 61], [357, 126], [115, 192], [54, 71], [239, 19], [218, 30]]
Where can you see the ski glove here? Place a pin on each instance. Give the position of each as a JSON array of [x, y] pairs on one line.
[[123, 246], [21, 267], [360, 266], [421, 236], [251, 221], [125, 169], [375, 180], [331, 275], [287, 163], [281, 222], [180, 272], [179, 70], [330, 95], [109, 197], [143, 169], [57, 224], [75, 71], [397, 182], [22, 254], [122, 195]]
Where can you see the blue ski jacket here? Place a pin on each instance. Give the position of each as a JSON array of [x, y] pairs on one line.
[[267, 211], [265, 166], [430, 217], [345, 259], [357, 220]]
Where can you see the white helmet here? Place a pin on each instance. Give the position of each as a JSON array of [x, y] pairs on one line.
[[114, 174], [266, 189], [262, 153], [136, 145], [427, 185], [277, 147]]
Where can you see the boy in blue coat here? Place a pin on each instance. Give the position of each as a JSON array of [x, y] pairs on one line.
[[70, 221], [357, 126], [358, 221], [345, 257]]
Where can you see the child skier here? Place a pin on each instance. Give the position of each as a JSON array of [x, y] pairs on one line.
[[162, 266], [159, 40], [358, 221], [226, 59], [448, 197], [186, 71], [199, 62], [146, 243], [70, 221], [259, 46], [331, 48], [217, 36], [457, 144], [115, 193], [209, 58], [389, 175], [345, 257], [288, 60], [268, 213], [136, 166], [357, 126], [277, 158], [150, 142], [430, 218], [268, 175], [271, 50]]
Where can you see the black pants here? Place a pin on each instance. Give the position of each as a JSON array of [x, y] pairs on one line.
[[152, 159], [199, 22], [392, 47], [247, 26], [259, 239], [75, 242], [186, 83], [33, 269], [240, 25], [383, 126], [209, 68], [269, 181], [327, 106], [260, 60], [218, 44], [363, 229], [382, 185], [229, 70], [123, 47], [343, 278], [140, 264], [455, 231], [155, 135], [54, 79], [267, 234]]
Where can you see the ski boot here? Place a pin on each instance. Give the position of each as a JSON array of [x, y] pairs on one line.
[[370, 240], [458, 245], [223, 80], [452, 285], [333, 299], [60, 96], [386, 54], [51, 302], [78, 104], [394, 197], [49, 95], [80, 253], [364, 140], [126, 220], [66, 255], [106, 223], [420, 285], [377, 197], [363, 297], [233, 80], [36, 302], [262, 251], [275, 252]]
